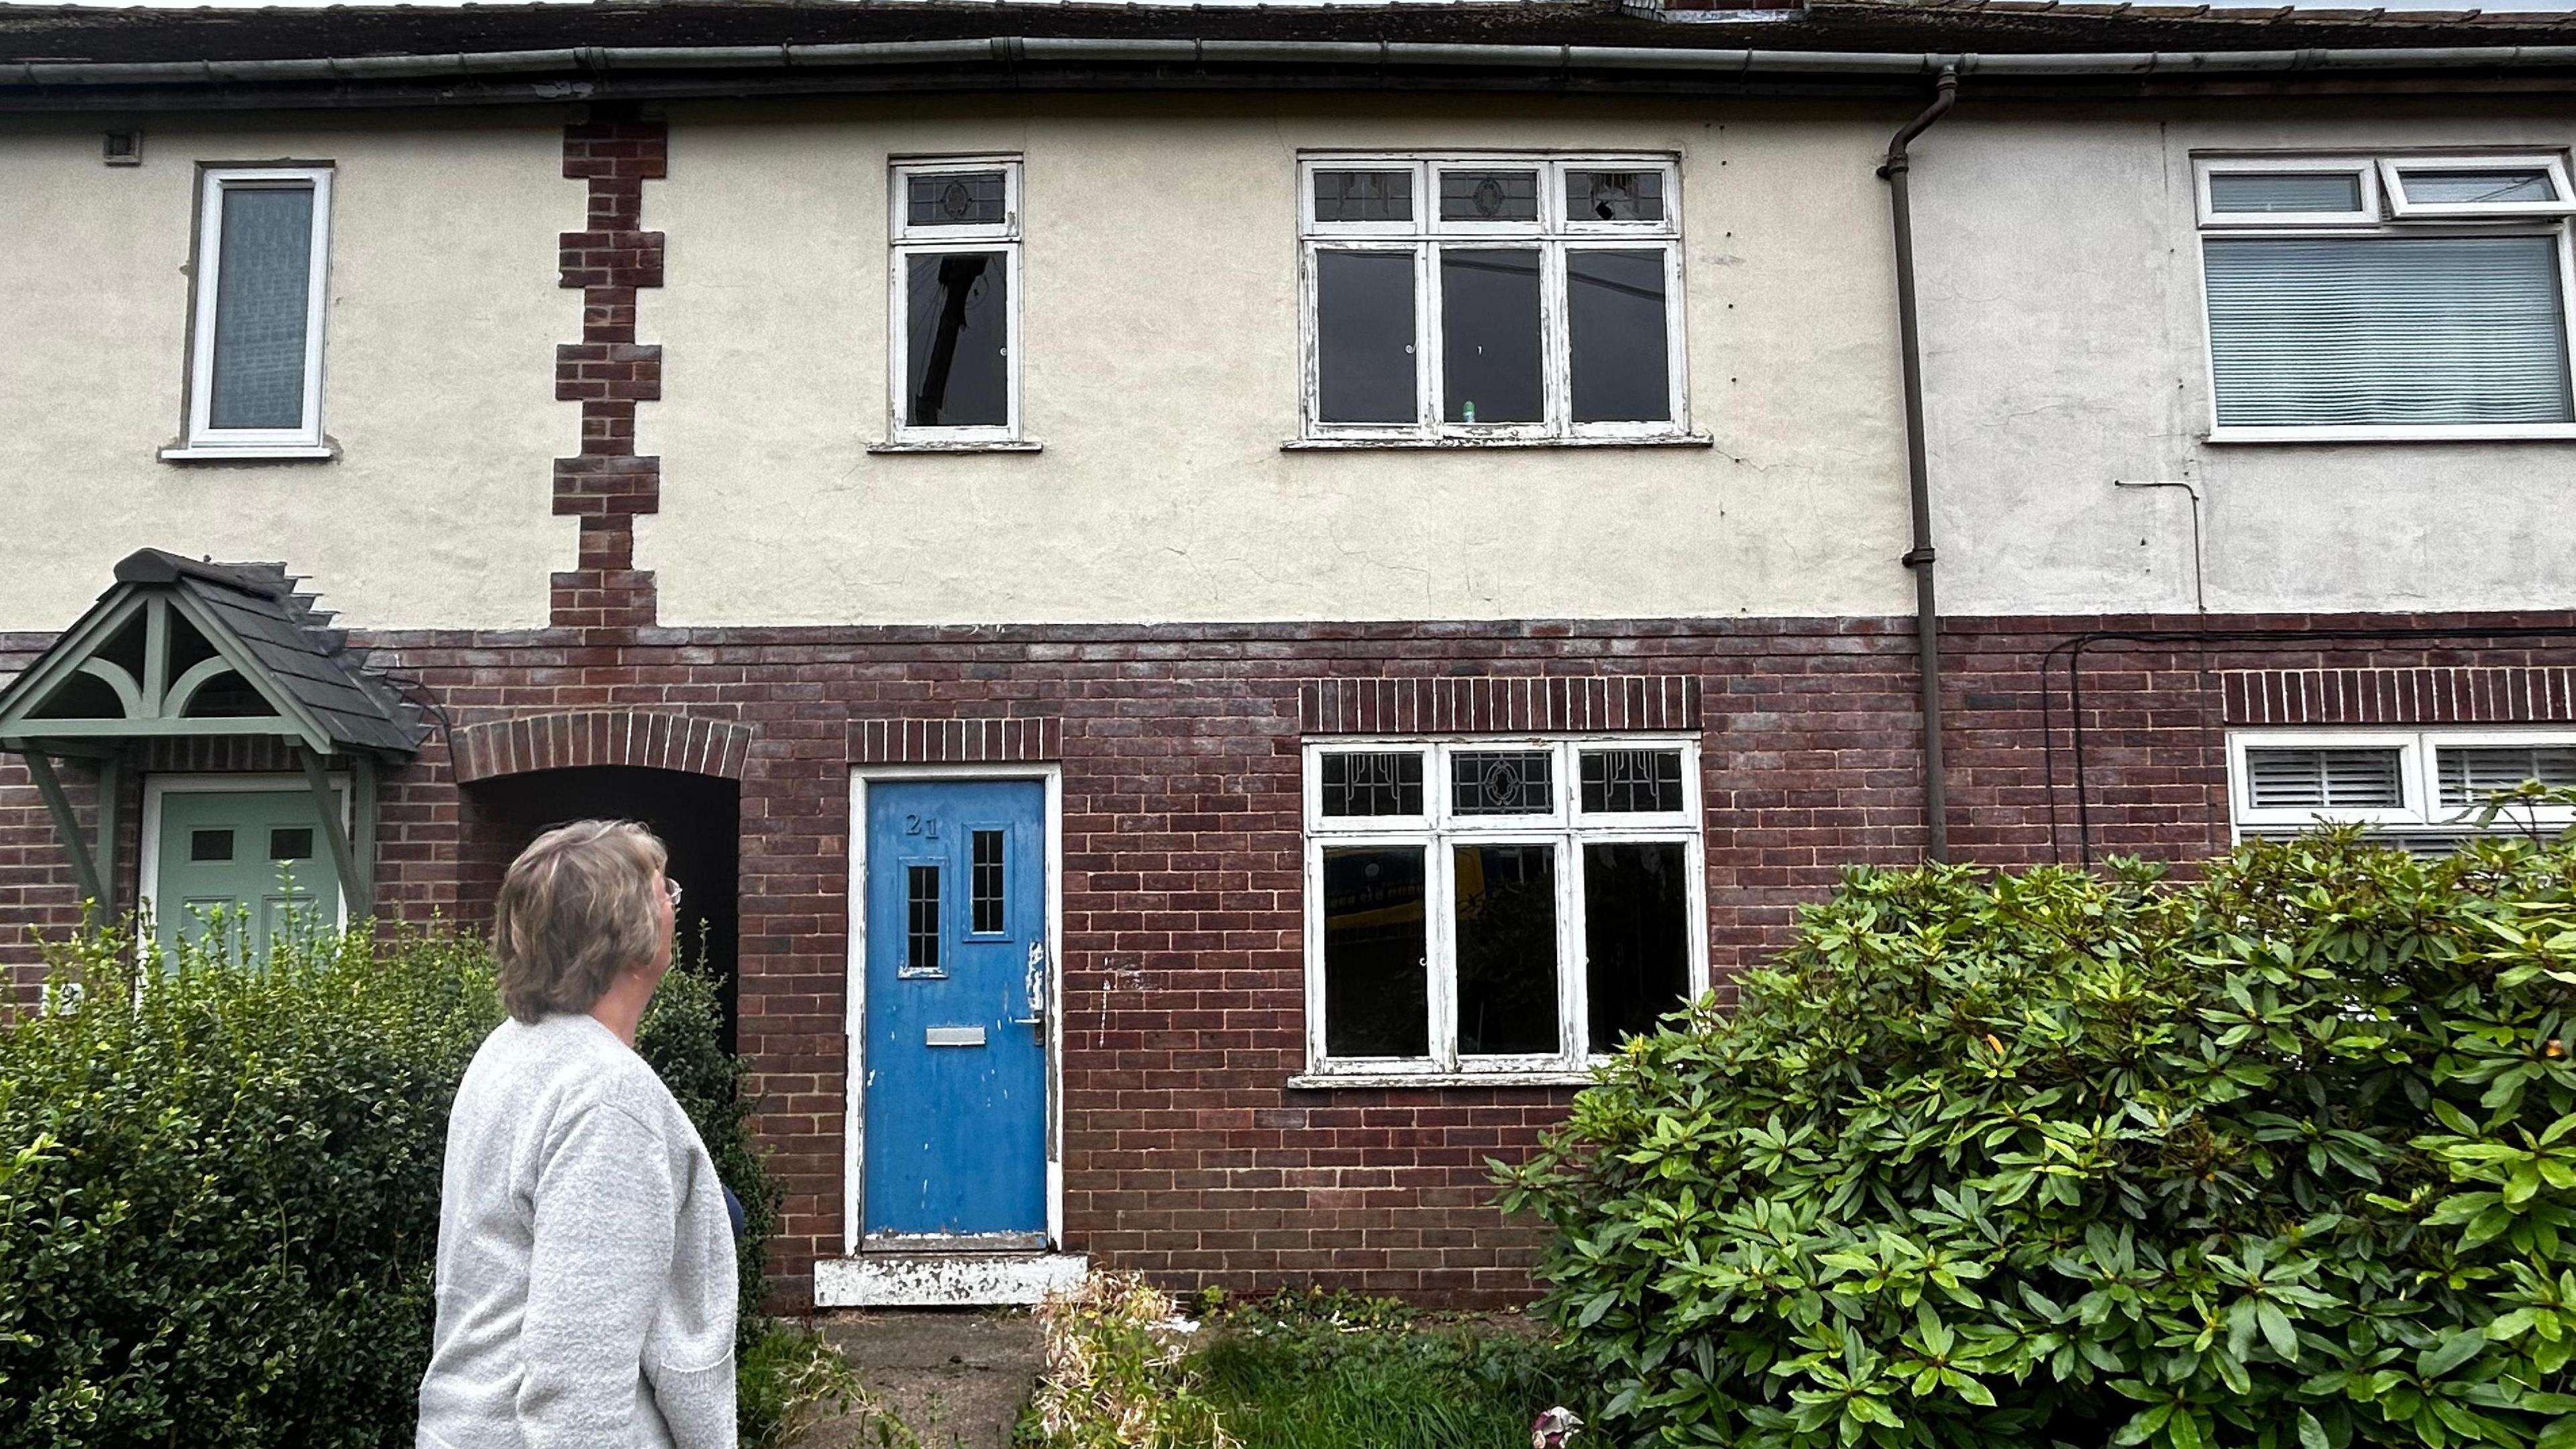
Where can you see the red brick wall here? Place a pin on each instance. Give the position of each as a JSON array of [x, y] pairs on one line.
[[1187, 1157]]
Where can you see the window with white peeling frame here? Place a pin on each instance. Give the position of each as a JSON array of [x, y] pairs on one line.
[[255, 352], [955, 308], [1492, 298], [1500, 907]]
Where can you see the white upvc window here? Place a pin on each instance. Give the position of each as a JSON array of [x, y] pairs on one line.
[[2400, 780], [2387, 297], [255, 362], [1497, 907], [954, 304], [1491, 298]]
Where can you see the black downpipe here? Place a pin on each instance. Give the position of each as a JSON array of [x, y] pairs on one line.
[[1927, 612]]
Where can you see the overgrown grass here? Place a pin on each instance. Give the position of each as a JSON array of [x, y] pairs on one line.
[[1296, 1371]]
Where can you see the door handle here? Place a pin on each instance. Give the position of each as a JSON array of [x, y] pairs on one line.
[[1035, 984]]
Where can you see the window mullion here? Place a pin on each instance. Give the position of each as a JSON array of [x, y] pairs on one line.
[[1440, 938], [1573, 968], [1556, 344], [1429, 386]]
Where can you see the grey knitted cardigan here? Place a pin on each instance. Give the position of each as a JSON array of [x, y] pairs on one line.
[[585, 1260]]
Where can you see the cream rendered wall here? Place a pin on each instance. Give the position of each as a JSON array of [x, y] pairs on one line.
[[437, 384], [2067, 346], [1161, 364]]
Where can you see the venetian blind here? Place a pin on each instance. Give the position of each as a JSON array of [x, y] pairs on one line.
[[2323, 779], [2381, 330], [2469, 772]]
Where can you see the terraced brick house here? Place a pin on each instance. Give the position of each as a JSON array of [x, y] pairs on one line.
[[1214, 601]]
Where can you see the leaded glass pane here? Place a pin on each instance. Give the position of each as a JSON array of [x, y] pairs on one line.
[[957, 339], [1489, 335], [1506, 925], [1388, 783], [965, 198], [1614, 195], [1377, 974], [2256, 192], [1489, 196], [921, 922], [1632, 782], [984, 891], [1363, 196], [1502, 782], [1636, 930], [263, 301]]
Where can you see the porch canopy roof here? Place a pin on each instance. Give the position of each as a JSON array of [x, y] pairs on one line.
[[180, 648]]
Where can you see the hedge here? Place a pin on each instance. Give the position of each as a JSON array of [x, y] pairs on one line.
[[219, 1183], [2283, 1156]]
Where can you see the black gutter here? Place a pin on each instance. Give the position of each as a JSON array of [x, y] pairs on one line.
[[1927, 610]]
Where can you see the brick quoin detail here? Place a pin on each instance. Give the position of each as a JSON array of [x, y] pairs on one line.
[[1465, 705], [608, 372], [602, 737], [2452, 695], [955, 741]]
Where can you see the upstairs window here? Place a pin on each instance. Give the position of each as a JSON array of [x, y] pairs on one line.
[[2360, 297], [1492, 298], [255, 364], [1497, 907], [955, 305], [2421, 787]]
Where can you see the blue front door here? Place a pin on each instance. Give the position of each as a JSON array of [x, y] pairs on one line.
[[954, 1090]]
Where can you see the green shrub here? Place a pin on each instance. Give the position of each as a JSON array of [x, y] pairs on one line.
[[682, 1035], [2282, 1158]]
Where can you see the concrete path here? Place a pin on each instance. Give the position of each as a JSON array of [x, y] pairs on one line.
[[957, 1376]]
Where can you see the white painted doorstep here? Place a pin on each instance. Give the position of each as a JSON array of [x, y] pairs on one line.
[[944, 1280]]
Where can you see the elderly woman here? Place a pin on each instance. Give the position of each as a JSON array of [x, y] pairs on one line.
[[585, 1256]]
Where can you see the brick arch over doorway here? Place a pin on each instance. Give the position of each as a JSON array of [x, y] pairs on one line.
[[578, 738]]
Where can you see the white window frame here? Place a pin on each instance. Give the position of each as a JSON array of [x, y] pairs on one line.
[[1436, 832], [2518, 219], [1555, 233], [2418, 772], [2393, 171], [201, 438], [906, 240]]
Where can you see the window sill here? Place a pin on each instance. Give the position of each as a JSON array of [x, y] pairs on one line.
[[2513, 433], [1328, 445], [259, 453], [1327, 1081], [1016, 446]]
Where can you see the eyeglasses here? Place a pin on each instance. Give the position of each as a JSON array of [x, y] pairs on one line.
[[673, 888]]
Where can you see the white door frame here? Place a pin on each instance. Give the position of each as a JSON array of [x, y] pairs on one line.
[[854, 1157], [147, 864]]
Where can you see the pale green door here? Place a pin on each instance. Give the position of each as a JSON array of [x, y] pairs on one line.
[[257, 855]]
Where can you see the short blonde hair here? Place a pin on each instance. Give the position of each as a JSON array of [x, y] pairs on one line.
[[576, 908]]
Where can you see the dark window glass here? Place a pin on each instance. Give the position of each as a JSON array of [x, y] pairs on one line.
[[1614, 196], [1373, 784], [1377, 982], [1489, 196], [921, 921], [1636, 933], [210, 845], [1632, 782], [1506, 949], [972, 198], [263, 297], [295, 844], [1489, 337], [1364, 337], [1363, 196], [985, 890], [957, 339], [1614, 303], [1501, 782]]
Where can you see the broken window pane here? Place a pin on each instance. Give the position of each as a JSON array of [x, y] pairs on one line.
[[1614, 195], [1363, 196], [921, 922], [1377, 997], [984, 892], [1615, 324], [1506, 950], [1636, 932], [1373, 784], [1364, 337], [1502, 782], [973, 198], [1489, 196], [957, 339], [1632, 782], [1489, 334]]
